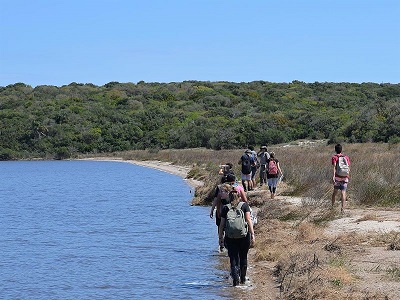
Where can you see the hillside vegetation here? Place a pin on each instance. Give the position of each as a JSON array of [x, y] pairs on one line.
[[62, 122]]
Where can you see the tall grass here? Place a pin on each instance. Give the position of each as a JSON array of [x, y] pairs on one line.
[[375, 169], [375, 172]]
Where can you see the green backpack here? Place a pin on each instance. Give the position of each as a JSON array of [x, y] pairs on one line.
[[236, 226]]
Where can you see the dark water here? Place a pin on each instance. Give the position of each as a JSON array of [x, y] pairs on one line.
[[103, 230]]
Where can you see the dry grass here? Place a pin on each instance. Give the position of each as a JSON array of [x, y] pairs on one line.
[[375, 170], [369, 217], [394, 273], [310, 265]]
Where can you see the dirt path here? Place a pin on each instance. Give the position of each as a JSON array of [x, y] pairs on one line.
[[366, 220], [375, 268]]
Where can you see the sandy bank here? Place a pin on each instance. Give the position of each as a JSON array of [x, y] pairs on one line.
[[167, 167]]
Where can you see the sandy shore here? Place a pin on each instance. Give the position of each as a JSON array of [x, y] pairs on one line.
[[181, 171]]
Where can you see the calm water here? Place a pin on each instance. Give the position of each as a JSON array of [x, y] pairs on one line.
[[103, 230]]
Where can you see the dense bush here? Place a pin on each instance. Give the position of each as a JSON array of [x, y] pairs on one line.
[[60, 122]]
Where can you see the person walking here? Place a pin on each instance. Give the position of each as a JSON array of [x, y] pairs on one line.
[[341, 172], [263, 158], [246, 160], [221, 198], [231, 179], [274, 169], [238, 246], [226, 169], [254, 167]]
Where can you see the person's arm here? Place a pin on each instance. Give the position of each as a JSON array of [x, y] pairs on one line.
[[214, 204], [334, 168], [243, 195], [251, 228], [334, 173], [221, 232], [213, 207], [279, 168]]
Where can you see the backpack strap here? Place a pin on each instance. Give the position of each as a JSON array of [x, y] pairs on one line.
[[240, 204], [339, 156]]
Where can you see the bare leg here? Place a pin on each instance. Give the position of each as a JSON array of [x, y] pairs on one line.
[[244, 183], [273, 192], [343, 199], [335, 191], [250, 183]]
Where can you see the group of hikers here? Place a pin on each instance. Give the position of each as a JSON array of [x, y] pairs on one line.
[[233, 214], [234, 217], [270, 170]]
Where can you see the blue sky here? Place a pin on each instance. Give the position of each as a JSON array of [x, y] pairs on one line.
[[97, 41]]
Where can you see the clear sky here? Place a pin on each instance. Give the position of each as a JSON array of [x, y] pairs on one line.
[[56, 42]]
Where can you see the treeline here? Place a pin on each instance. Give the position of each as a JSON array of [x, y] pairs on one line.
[[60, 122]]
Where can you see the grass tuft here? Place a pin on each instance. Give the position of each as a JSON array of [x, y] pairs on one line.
[[394, 273]]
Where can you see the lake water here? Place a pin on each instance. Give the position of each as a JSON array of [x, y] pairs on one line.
[[104, 230]]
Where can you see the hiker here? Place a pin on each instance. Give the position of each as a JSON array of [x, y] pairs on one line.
[[226, 169], [221, 198], [254, 166], [237, 241], [273, 172], [231, 179], [263, 158], [341, 171], [246, 161]]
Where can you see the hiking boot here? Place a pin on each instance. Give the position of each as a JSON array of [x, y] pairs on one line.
[[243, 271], [235, 275], [236, 281]]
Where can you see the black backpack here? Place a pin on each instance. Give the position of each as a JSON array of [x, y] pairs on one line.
[[246, 164]]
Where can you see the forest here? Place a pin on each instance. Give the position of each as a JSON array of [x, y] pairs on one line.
[[61, 122]]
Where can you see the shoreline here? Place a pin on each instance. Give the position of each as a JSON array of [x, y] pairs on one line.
[[181, 171]]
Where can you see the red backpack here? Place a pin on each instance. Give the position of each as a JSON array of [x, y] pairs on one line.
[[272, 167]]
